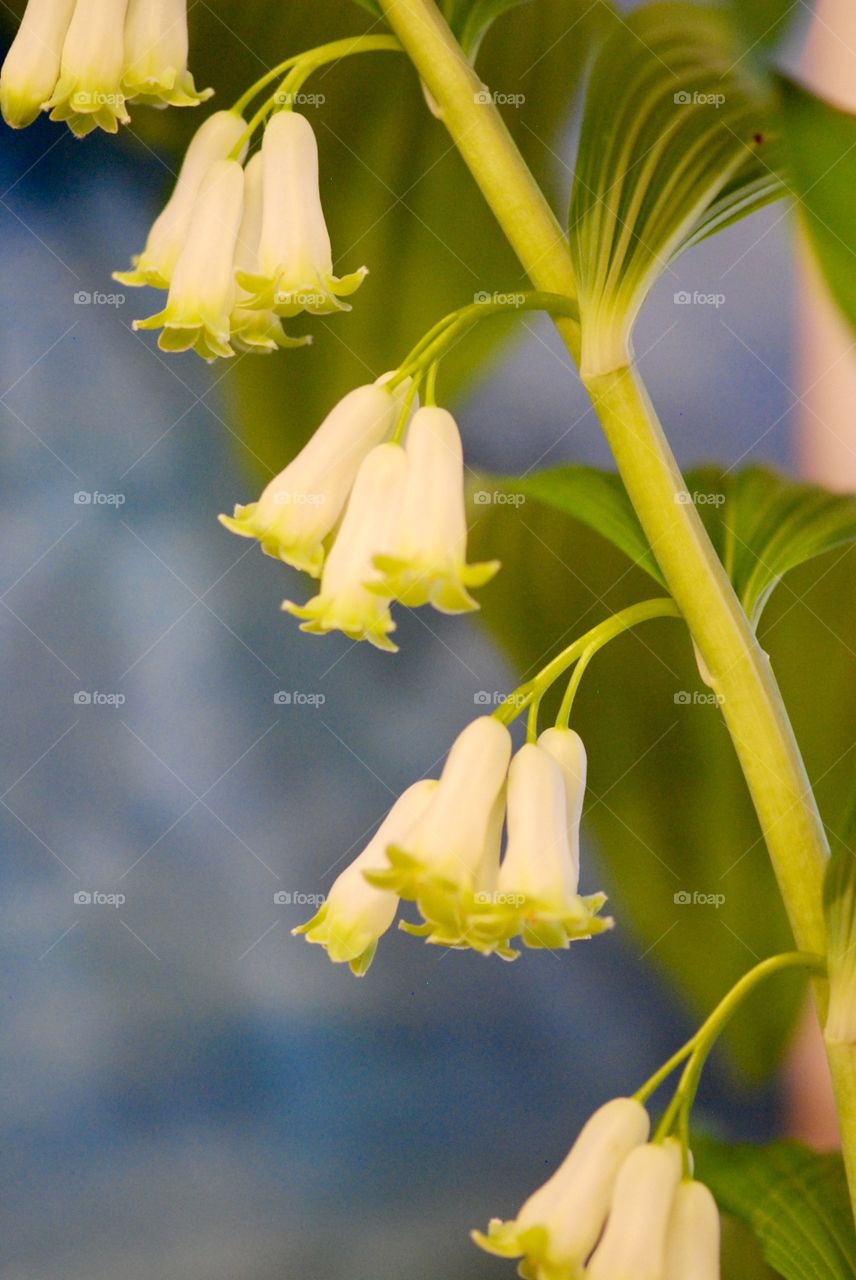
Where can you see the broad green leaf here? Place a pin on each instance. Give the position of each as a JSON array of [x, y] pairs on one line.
[[794, 1200], [471, 19], [761, 523], [668, 810], [670, 150], [819, 146], [598, 499]]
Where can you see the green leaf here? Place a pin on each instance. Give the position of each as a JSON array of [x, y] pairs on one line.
[[794, 1200], [761, 523], [669, 152], [598, 499], [668, 810], [819, 145], [471, 19]]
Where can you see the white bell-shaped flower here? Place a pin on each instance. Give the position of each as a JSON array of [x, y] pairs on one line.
[[536, 891], [88, 94], [633, 1246], [355, 913], [345, 601], [156, 47], [202, 292], [301, 505], [559, 1225], [31, 67], [295, 264], [692, 1239], [427, 563], [213, 141], [448, 856], [255, 331]]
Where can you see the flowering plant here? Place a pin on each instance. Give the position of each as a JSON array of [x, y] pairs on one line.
[[686, 127]]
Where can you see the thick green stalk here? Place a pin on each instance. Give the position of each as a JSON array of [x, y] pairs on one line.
[[738, 668]]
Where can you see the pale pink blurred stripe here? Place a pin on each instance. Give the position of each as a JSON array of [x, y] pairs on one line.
[[827, 453]]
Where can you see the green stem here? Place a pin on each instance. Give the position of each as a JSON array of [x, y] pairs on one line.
[[700, 1045], [534, 690], [432, 345], [753, 708], [299, 66]]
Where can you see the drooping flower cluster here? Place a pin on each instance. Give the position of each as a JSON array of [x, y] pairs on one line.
[[444, 854], [376, 521], [84, 61], [238, 247], [615, 1209]]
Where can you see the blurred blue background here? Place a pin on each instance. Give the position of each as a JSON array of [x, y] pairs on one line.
[[187, 1089]]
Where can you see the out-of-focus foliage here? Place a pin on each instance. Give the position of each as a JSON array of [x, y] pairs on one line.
[[794, 1200], [670, 150], [761, 524], [667, 804], [820, 159]]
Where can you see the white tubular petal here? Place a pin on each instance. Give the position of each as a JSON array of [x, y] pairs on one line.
[[156, 48], [302, 504], [293, 229], [247, 244], [344, 601], [537, 863], [560, 1223], [574, 1204], [355, 913], [427, 562], [433, 526], [31, 68], [452, 837], [634, 1242], [212, 141], [295, 268], [155, 38], [202, 292], [692, 1241], [368, 518], [566, 748], [88, 93]]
